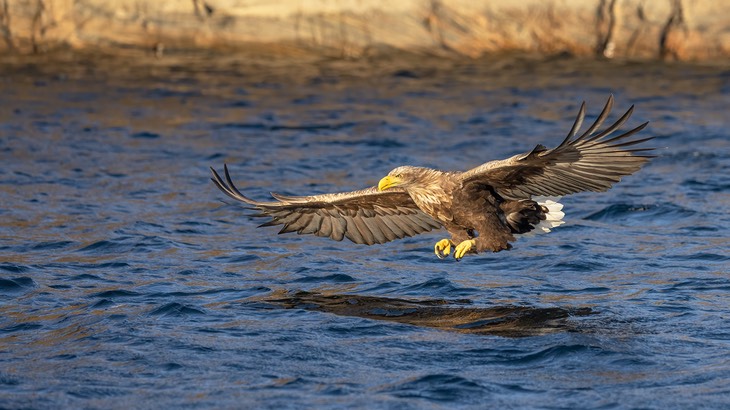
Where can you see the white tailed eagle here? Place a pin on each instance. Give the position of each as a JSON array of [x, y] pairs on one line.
[[482, 209]]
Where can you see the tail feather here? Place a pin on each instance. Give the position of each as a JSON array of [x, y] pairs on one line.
[[553, 215]]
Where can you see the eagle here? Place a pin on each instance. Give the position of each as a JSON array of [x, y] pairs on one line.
[[483, 209]]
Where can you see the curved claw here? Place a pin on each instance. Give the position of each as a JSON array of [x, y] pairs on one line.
[[463, 248], [442, 248]]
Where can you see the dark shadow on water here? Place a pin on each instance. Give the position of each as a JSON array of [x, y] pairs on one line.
[[458, 315]]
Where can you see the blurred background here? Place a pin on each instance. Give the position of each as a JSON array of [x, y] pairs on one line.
[[665, 29]]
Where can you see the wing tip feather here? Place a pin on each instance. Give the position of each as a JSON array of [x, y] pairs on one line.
[[229, 188]]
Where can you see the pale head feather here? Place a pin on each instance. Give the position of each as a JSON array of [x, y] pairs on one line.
[[411, 176]]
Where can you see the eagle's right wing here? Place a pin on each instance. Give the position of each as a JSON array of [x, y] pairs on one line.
[[366, 216]]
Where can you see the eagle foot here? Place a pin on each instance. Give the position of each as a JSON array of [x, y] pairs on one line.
[[442, 248], [463, 248]]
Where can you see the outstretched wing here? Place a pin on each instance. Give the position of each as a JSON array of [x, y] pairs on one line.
[[365, 217], [586, 163]]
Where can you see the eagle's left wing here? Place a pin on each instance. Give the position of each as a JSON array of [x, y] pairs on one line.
[[587, 163]]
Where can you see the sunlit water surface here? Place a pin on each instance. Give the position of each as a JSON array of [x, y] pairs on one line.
[[128, 280]]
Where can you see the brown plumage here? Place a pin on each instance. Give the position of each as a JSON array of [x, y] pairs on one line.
[[482, 209]]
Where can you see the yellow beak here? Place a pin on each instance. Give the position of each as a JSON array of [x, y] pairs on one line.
[[388, 182]]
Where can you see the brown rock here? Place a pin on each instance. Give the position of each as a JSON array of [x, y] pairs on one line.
[[666, 29]]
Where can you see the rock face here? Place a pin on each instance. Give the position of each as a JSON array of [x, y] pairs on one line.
[[665, 29]]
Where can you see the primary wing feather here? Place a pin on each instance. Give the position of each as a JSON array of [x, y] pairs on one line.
[[586, 163], [366, 216]]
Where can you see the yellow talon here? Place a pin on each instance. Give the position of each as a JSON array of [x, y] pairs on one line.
[[442, 248], [463, 248]]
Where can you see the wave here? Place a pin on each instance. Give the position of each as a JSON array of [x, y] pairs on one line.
[[16, 285], [177, 310], [631, 214], [439, 387]]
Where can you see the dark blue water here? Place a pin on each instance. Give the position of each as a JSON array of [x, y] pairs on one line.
[[128, 281]]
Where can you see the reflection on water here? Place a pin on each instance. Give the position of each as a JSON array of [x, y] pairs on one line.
[[126, 279], [508, 321]]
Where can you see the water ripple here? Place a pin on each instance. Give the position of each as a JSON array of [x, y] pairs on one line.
[[125, 282], [666, 213], [177, 310], [16, 284], [13, 268], [439, 387], [117, 293]]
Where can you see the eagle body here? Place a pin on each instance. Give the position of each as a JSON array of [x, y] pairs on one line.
[[482, 209], [439, 195]]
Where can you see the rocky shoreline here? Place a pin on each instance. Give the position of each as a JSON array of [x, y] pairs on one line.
[[633, 29]]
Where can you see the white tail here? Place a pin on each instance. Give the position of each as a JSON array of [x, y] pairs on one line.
[[553, 218]]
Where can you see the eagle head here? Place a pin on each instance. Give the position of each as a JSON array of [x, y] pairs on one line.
[[404, 177]]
